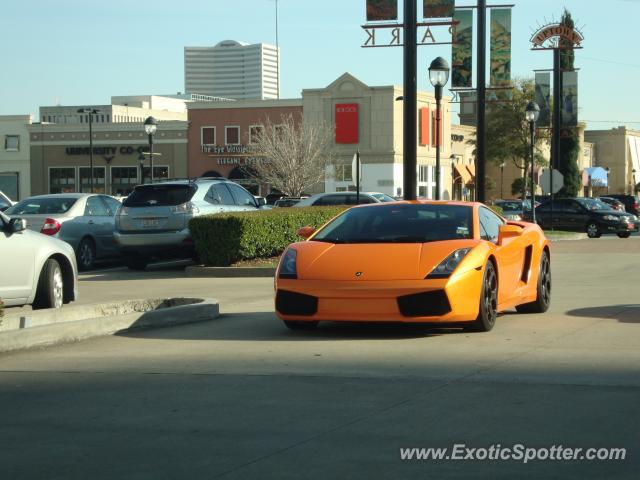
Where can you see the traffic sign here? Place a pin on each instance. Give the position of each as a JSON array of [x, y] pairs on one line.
[[544, 181]]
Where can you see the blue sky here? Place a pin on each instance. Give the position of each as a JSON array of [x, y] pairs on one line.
[[82, 52]]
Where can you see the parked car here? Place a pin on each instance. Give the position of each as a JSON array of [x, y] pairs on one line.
[[36, 269], [287, 201], [5, 202], [514, 209], [586, 215], [613, 203], [343, 198], [631, 202], [83, 220], [153, 221]]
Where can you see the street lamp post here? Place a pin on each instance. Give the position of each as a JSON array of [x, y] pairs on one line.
[[91, 112], [608, 170], [141, 160], [150, 127], [439, 76], [532, 113], [502, 180]]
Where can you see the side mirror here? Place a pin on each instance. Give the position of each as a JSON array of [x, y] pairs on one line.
[[261, 201], [17, 225], [508, 231], [306, 232]]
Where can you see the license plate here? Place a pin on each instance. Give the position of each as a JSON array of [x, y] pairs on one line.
[[150, 223]]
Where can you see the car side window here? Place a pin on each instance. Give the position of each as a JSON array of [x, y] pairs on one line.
[[490, 225], [242, 197], [112, 204], [332, 200], [219, 195], [95, 208], [570, 206]]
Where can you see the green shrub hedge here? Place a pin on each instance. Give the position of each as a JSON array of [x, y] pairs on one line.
[[1, 308], [226, 238]]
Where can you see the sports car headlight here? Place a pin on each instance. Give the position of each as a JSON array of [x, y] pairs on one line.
[[610, 218], [449, 264], [288, 267]]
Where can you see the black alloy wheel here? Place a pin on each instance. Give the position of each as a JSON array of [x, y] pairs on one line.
[[488, 301], [543, 299]]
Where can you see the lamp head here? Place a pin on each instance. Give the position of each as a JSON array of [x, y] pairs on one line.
[[439, 72], [532, 112], [150, 126]]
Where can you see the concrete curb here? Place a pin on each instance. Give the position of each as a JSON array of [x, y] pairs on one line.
[[71, 324], [230, 272]]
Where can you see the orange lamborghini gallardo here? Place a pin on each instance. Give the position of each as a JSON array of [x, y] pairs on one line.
[[425, 262]]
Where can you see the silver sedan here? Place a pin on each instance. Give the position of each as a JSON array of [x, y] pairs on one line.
[[85, 221]]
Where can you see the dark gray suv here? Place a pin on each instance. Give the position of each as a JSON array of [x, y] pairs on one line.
[[153, 221]]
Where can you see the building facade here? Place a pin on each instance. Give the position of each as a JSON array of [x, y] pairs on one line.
[[123, 109], [220, 136], [369, 119], [15, 175], [234, 70], [60, 160], [617, 150]]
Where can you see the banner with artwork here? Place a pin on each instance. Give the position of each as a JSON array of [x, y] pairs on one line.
[[569, 99], [438, 8], [500, 46], [462, 49], [543, 98], [380, 10]]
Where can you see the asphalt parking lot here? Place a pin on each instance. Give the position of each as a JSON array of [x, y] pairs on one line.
[[243, 397]]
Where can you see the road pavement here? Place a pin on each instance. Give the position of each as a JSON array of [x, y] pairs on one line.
[[242, 397]]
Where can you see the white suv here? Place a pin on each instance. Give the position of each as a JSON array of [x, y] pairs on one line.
[[153, 221]]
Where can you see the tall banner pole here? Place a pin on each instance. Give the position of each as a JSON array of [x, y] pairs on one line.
[[557, 120], [410, 95], [481, 96]]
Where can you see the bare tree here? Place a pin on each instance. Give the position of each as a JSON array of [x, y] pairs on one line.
[[293, 155]]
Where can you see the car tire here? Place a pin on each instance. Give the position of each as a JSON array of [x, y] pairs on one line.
[[488, 312], [86, 254], [624, 234], [293, 325], [136, 263], [593, 230], [50, 289], [543, 299]]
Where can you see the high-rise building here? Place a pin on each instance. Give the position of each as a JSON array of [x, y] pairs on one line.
[[233, 70]]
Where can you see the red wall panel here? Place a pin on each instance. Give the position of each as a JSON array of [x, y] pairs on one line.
[[347, 123], [425, 126]]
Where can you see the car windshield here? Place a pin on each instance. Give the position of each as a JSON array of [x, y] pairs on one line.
[[593, 204], [42, 206], [399, 223], [383, 197], [160, 195]]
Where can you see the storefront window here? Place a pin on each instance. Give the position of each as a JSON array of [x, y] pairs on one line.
[[98, 179], [343, 173], [62, 180], [9, 185], [123, 179], [159, 173]]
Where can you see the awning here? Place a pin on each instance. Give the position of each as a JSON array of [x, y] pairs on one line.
[[472, 171], [463, 173], [597, 177]]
